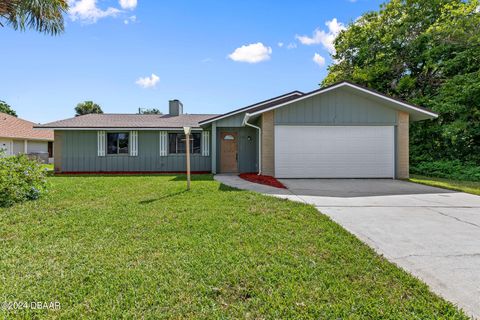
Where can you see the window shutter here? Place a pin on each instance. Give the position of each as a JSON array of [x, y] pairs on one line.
[[133, 143], [163, 143], [205, 143], [101, 143]]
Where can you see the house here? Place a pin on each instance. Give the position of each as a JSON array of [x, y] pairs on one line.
[[341, 131], [18, 136]]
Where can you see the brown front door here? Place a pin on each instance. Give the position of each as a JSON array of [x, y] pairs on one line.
[[228, 152]]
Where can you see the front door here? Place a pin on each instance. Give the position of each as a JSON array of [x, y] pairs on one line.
[[228, 152]]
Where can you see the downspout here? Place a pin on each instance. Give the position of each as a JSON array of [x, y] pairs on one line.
[[245, 122]]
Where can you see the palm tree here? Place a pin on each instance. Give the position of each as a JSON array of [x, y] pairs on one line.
[[42, 15]]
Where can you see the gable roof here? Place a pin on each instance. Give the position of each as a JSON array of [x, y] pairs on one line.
[[123, 121], [16, 128], [419, 113], [257, 106]]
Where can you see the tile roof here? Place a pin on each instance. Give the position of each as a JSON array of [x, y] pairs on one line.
[[13, 127], [112, 120]]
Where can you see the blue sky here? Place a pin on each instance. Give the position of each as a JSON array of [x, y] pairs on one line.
[[214, 56]]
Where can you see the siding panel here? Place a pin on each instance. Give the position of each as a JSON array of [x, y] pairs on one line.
[[338, 107], [79, 154]]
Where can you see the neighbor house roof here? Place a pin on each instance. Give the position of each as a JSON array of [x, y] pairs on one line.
[[124, 121], [16, 128]]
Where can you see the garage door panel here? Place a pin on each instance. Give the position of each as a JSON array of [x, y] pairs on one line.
[[334, 151]]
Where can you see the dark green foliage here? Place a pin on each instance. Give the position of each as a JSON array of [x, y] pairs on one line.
[[149, 111], [87, 107], [5, 108], [428, 53], [448, 169], [21, 179], [44, 16]]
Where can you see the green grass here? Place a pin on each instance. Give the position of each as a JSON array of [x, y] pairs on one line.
[[48, 167], [464, 186], [142, 247]]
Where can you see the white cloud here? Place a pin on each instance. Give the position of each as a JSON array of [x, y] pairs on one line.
[[128, 4], [325, 38], [207, 60], [291, 45], [148, 82], [318, 59], [251, 53], [88, 12], [280, 44], [131, 19]]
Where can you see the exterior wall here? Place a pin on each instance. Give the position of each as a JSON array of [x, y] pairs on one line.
[[37, 146], [268, 143], [337, 107], [57, 150], [247, 149], [78, 151], [402, 149], [232, 121], [18, 146]]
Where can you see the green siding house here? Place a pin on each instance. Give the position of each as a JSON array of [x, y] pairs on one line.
[[341, 131]]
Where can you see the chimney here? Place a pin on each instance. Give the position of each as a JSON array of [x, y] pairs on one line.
[[175, 107]]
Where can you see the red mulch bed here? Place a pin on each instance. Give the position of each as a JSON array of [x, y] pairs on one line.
[[261, 179]]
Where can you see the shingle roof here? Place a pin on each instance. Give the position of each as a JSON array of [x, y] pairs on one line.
[[257, 106], [112, 120], [13, 127]]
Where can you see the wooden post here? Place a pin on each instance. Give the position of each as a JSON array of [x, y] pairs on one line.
[[188, 161], [187, 141]]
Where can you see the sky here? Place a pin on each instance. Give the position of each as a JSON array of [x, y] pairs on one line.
[[214, 56]]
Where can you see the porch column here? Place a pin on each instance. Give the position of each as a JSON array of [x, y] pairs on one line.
[[214, 148], [25, 146]]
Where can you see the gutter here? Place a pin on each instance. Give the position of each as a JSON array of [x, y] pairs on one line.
[[245, 123]]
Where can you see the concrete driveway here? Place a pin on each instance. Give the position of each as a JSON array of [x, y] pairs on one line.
[[432, 233]]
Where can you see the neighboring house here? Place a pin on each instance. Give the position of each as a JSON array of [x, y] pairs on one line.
[[18, 136], [340, 131]]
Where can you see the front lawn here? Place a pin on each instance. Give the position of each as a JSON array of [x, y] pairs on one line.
[[142, 247], [457, 185]]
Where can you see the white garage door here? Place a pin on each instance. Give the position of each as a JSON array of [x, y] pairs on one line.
[[334, 152]]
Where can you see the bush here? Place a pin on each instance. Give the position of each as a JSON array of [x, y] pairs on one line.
[[21, 179], [448, 169]]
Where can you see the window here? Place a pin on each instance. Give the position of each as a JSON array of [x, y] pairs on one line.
[[117, 143], [176, 143]]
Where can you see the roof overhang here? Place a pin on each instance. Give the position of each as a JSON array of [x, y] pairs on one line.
[[416, 113], [245, 109], [26, 138], [116, 128]]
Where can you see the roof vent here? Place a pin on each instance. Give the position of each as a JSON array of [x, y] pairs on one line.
[[175, 107]]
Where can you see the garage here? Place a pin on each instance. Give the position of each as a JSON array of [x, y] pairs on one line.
[[334, 151]]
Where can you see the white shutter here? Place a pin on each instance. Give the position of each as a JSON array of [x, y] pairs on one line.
[[101, 143], [163, 143], [133, 143], [205, 143]]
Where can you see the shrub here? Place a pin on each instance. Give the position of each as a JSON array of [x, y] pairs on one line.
[[21, 179], [448, 169]]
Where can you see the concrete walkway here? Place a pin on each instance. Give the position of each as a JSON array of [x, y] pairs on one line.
[[432, 233]]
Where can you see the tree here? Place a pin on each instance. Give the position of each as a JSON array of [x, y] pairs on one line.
[[426, 52], [5, 108], [87, 107], [44, 16], [149, 111]]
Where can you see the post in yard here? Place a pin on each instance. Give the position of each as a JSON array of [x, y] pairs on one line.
[[187, 141]]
